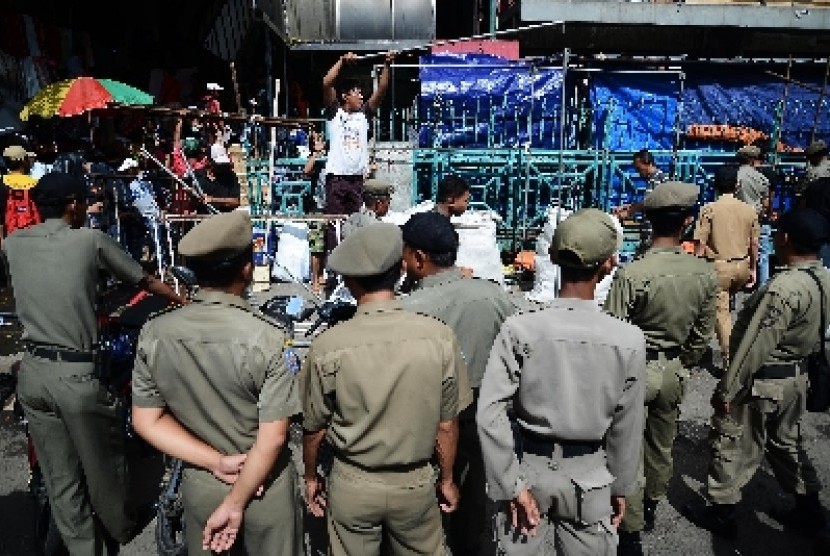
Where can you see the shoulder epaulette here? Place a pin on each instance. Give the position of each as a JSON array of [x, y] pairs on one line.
[[160, 312], [266, 319]]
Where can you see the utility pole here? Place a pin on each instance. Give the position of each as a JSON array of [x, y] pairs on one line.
[[494, 20]]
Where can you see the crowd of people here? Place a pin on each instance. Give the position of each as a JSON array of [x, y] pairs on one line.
[[442, 407]]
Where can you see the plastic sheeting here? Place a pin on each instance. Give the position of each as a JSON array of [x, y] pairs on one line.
[[753, 99], [484, 101], [477, 246], [546, 279], [635, 111], [478, 100]]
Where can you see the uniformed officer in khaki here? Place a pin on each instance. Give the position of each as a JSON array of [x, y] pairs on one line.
[[575, 377], [760, 401], [753, 186], [377, 195], [385, 389], [74, 419], [475, 309], [210, 387], [671, 296], [727, 233]]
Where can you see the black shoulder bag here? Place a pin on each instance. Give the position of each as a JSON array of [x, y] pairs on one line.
[[818, 368]]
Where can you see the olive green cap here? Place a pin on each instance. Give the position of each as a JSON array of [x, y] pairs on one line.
[[750, 151], [378, 187], [16, 152], [368, 251], [585, 239], [672, 194], [221, 235]]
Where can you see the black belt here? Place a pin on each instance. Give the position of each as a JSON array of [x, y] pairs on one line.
[[399, 468], [732, 260], [781, 370], [654, 354], [54, 354], [543, 446]]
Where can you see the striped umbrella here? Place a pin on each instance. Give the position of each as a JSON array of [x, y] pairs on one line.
[[76, 96]]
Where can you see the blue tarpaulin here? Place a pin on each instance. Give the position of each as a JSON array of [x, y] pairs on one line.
[[753, 99], [479, 100], [635, 111]]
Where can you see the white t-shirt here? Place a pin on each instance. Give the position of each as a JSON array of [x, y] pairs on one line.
[[348, 134]]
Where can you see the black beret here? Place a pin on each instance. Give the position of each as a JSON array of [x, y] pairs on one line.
[[431, 232], [806, 227], [56, 188], [726, 176]]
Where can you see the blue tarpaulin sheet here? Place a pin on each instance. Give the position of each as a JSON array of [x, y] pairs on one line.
[[753, 99], [635, 111], [479, 100]]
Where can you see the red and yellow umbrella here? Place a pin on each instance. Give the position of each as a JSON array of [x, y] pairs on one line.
[[76, 96]]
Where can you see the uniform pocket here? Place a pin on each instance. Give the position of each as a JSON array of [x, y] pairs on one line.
[[767, 395], [593, 494], [725, 438]]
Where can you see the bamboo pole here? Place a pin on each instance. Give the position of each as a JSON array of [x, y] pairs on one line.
[[201, 114]]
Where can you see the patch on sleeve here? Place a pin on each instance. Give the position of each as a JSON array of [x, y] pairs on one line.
[[292, 360], [771, 315]]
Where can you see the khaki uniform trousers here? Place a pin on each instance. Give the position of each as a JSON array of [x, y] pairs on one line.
[[76, 425], [574, 498], [732, 275], [399, 508], [769, 420], [664, 392], [272, 523]]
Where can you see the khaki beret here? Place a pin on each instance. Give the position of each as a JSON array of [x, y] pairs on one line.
[[368, 251], [750, 151], [672, 194], [219, 236], [378, 187], [816, 147], [585, 239], [16, 152]]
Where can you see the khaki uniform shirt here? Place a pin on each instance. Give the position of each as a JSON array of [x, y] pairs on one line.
[[381, 383], [218, 366], [753, 187], [777, 324], [727, 228], [363, 217], [474, 308], [573, 373], [671, 297], [54, 271]]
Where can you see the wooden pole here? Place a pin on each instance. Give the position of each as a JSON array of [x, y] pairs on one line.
[[202, 115]]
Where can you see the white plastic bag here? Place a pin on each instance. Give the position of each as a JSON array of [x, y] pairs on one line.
[[292, 260]]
